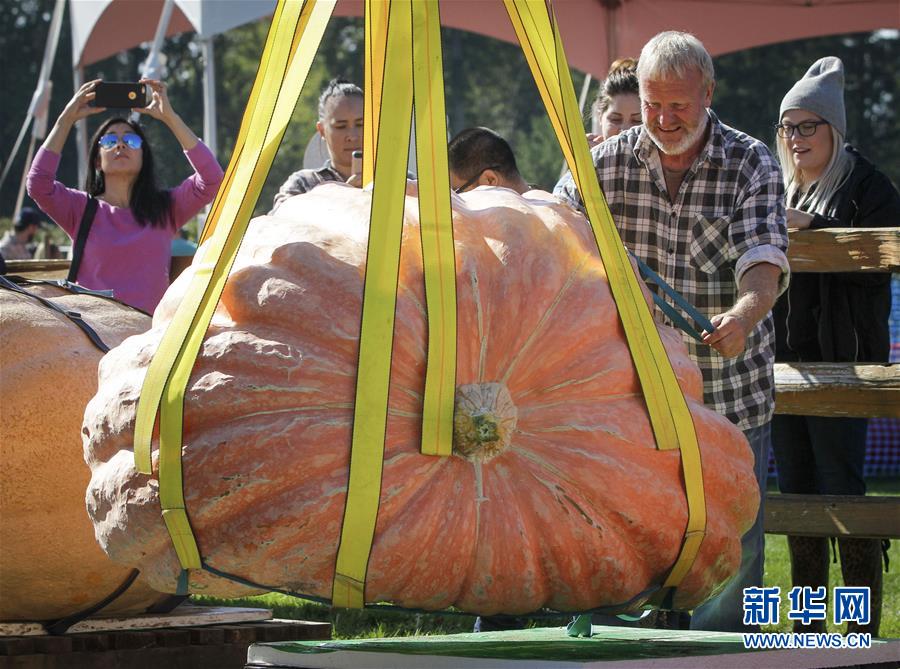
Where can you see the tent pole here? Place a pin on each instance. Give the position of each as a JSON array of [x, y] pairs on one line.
[[611, 7], [80, 130], [209, 107], [582, 100], [209, 93], [40, 101], [20, 197], [151, 69]]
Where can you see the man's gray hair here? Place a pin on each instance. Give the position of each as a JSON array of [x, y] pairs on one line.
[[671, 55]]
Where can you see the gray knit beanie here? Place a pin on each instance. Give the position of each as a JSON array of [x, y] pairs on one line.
[[821, 91]]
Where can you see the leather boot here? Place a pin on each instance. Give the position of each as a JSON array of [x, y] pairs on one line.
[[861, 566], [809, 567]]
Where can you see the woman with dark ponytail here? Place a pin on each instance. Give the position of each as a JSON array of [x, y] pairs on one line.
[[128, 247], [340, 126], [617, 106]]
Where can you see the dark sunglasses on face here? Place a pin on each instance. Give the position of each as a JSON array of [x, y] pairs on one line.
[[806, 129], [129, 139], [462, 189]]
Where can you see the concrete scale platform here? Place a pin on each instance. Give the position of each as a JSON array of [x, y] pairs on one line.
[[543, 648]]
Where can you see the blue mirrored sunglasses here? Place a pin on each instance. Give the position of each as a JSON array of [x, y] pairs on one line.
[[129, 139]]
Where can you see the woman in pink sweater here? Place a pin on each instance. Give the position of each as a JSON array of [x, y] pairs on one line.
[[128, 247]]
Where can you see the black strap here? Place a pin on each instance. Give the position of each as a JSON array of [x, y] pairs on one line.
[[56, 627], [87, 220], [73, 316], [676, 318]]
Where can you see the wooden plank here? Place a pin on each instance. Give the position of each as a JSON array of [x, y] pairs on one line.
[[96, 642], [28, 266], [134, 639], [845, 250], [17, 646], [183, 616], [833, 516], [175, 648], [52, 644], [38, 269], [207, 636], [239, 634], [837, 389], [173, 637]]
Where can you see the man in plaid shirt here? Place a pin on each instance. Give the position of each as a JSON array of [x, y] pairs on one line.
[[703, 205]]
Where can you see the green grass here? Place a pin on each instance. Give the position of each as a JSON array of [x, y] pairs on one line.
[[349, 624], [778, 572]]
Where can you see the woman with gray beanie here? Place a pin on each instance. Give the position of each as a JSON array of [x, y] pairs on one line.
[[829, 318]]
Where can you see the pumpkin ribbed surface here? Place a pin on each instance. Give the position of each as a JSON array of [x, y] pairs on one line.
[[555, 494], [50, 563]]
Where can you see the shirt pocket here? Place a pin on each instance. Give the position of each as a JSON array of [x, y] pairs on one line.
[[710, 243]]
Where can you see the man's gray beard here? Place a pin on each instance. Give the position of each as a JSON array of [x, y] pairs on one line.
[[684, 144]]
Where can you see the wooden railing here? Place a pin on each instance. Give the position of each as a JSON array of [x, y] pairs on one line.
[[38, 269], [59, 269], [838, 389]]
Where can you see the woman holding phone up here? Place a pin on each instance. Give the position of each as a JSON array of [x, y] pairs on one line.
[[128, 246]]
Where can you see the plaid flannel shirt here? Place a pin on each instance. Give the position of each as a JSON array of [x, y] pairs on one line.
[[727, 216]]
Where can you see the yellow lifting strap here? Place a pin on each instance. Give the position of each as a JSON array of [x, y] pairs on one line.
[[410, 33], [537, 30], [293, 40], [379, 302], [376, 18], [436, 222]]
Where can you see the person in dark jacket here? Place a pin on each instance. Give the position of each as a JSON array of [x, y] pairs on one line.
[[838, 317]]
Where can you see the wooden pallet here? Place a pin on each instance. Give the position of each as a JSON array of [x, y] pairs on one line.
[[189, 638]]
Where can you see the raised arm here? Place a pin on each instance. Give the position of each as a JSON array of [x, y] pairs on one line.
[[76, 110]]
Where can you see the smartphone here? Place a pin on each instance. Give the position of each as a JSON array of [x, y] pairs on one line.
[[356, 162], [119, 95]]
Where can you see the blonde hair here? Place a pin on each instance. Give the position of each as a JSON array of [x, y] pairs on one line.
[[803, 196]]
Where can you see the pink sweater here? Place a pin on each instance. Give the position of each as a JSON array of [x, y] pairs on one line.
[[120, 254]]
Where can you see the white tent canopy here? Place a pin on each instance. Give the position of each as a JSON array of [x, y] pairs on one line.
[[101, 28], [595, 31]]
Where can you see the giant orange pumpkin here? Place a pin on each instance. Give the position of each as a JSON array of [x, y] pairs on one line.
[[563, 500], [50, 564]]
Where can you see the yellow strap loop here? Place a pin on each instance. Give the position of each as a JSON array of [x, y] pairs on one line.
[[377, 328], [376, 20], [673, 427], [284, 67], [436, 221]]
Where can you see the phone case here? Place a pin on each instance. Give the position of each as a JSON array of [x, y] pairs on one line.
[[120, 95]]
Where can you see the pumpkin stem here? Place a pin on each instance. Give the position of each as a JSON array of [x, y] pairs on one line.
[[483, 421]]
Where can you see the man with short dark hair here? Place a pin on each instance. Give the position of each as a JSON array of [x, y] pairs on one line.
[[481, 157], [703, 205], [15, 243]]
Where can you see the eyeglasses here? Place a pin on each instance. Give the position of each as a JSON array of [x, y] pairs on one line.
[[475, 178], [129, 139], [806, 129]]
